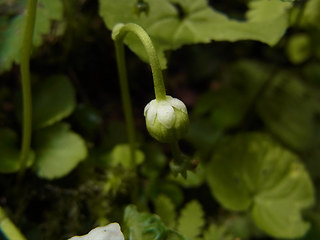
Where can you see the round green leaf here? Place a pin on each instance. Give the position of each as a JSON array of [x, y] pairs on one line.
[[253, 172], [59, 150], [10, 153], [53, 100]]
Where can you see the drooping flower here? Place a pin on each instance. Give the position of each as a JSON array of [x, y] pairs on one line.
[[109, 232], [167, 120]]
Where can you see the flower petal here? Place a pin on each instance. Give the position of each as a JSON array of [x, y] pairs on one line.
[[150, 111], [165, 114], [178, 104], [109, 232], [146, 108]]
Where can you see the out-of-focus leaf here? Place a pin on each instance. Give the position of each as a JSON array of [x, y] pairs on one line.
[[241, 226], [10, 43], [253, 172], [172, 24], [195, 178], [47, 11], [53, 99], [191, 220], [228, 105], [298, 48], [312, 161], [120, 155], [146, 226], [87, 120], [165, 209], [215, 232], [168, 188], [203, 135], [289, 108], [10, 153], [11, 37], [155, 161], [59, 150], [314, 233], [311, 14]]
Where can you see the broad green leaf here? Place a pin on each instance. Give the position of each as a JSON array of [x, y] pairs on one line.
[[253, 172], [11, 37], [59, 150], [191, 220], [121, 155], [146, 226], [10, 152], [172, 24], [53, 99], [289, 108], [165, 209]]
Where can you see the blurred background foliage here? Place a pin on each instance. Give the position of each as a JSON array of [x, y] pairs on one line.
[[249, 73]]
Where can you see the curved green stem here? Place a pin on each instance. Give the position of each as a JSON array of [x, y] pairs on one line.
[[8, 228], [25, 78], [118, 34]]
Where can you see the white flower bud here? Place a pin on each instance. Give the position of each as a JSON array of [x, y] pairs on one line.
[[109, 232], [167, 120]]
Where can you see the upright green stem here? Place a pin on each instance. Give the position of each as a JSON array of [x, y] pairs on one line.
[[126, 100], [8, 228], [25, 78], [119, 33]]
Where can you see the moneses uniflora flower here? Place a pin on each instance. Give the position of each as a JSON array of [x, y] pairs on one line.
[[109, 232], [167, 120]]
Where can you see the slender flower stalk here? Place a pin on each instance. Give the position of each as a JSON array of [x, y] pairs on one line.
[[26, 86], [126, 100], [7, 227], [166, 117], [118, 34]]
